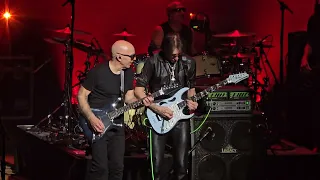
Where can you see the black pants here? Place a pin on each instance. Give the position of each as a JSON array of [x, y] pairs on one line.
[[107, 157], [180, 135]]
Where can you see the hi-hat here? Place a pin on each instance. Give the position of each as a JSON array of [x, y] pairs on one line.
[[67, 30], [234, 34]]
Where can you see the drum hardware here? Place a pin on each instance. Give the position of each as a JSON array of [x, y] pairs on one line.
[[69, 43], [258, 60], [207, 65], [91, 50], [283, 7]]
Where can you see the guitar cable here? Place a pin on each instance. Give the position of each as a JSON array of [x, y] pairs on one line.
[[150, 138]]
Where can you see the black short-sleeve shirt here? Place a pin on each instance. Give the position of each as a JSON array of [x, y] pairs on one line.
[[105, 85]]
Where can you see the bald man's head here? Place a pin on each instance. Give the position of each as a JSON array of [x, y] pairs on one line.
[[124, 52], [122, 47]]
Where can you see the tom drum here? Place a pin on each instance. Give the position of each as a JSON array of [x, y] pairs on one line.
[[207, 65]]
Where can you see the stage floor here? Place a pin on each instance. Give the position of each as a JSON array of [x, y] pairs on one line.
[[38, 159]]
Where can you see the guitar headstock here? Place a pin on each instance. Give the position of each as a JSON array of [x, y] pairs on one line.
[[235, 78], [168, 89]]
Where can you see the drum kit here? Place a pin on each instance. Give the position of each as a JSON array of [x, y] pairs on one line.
[[242, 52]]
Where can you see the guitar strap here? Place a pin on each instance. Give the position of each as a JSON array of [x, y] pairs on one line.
[[122, 85]]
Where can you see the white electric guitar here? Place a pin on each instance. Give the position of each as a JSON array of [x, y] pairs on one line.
[[176, 104]]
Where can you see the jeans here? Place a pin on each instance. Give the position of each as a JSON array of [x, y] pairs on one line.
[[180, 135], [107, 157]]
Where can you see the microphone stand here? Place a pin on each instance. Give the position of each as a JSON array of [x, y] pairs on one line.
[[198, 141], [283, 7]]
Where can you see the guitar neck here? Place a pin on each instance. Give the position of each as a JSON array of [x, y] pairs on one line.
[[203, 93], [133, 105]]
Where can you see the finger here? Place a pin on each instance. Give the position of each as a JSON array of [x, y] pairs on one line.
[[168, 115], [97, 129], [146, 102], [101, 126], [169, 112]]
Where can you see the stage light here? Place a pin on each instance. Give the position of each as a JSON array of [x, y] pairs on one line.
[[7, 15]]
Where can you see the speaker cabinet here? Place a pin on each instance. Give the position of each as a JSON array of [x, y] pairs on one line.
[[16, 79], [223, 147], [296, 44]]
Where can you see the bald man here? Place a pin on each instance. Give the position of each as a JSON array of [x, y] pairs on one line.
[[175, 12], [99, 91]]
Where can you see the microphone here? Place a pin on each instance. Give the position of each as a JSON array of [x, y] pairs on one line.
[[39, 67], [260, 42], [284, 6]]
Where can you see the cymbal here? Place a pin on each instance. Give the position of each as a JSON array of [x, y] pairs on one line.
[[124, 34], [56, 40], [234, 34], [67, 30]]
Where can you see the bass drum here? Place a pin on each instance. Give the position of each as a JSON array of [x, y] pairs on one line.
[[207, 65], [134, 117]]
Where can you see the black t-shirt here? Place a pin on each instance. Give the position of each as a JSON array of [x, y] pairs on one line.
[[105, 85]]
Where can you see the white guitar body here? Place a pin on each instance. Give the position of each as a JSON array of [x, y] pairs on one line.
[[161, 125], [176, 104]]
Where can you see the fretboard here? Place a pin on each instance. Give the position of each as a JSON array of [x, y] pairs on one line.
[[133, 105], [203, 93]]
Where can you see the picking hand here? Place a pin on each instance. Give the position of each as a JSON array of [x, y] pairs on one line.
[[164, 112], [97, 124], [192, 105]]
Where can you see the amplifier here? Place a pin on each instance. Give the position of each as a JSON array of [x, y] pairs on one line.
[[230, 99], [16, 79]]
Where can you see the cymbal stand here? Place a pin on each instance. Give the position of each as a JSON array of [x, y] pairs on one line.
[[263, 54], [68, 113], [83, 75]]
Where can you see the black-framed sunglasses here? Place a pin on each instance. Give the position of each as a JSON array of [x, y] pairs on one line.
[[179, 10], [132, 56]]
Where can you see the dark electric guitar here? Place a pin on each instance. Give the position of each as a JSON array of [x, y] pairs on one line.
[[108, 117]]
